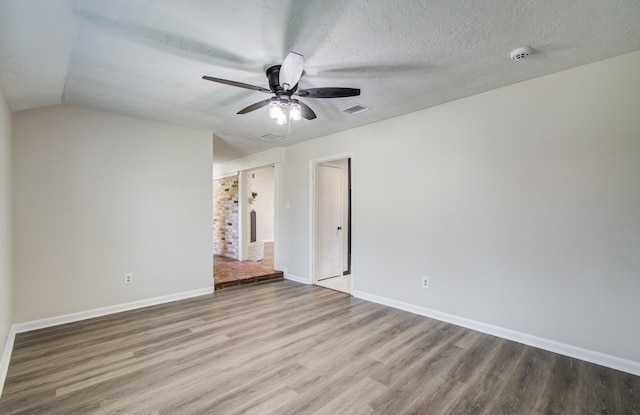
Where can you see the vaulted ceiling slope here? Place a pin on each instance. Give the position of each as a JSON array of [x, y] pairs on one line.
[[146, 58]]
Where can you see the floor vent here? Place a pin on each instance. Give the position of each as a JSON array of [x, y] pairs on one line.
[[272, 137], [356, 109]]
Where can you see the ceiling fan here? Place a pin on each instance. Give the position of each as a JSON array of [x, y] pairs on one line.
[[283, 84]]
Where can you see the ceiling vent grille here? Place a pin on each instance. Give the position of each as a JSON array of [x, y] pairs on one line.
[[356, 109], [272, 137]]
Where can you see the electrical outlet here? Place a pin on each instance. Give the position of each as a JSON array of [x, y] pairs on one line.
[[426, 283], [128, 278]]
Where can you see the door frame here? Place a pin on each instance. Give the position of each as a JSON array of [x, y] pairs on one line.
[[313, 209]]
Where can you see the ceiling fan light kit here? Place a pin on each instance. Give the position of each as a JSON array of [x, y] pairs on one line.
[[274, 108], [281, 110], [295, 111], [283, 83]]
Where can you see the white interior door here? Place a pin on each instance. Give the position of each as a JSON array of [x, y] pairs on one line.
[[330, 227]]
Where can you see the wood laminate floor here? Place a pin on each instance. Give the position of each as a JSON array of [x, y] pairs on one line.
[[287, 348]]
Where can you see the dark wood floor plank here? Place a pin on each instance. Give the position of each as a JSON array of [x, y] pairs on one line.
[[520, 392], [486, 372], [284, 348], [418, 375], [424, 348], [465, 374]]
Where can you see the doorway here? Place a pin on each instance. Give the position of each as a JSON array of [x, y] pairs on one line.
[[245, 225], [331, 265]]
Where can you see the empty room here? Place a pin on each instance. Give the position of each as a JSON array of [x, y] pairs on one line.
[[444, 196]]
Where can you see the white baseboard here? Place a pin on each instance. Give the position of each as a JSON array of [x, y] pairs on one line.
[[301, 280], [296, 278], [99, 312], [598, 358], [6, 357]]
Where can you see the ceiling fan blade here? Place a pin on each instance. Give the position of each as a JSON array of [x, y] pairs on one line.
[[291, 70], [238, 84], [328, 92], [307, 112], [255, 106]]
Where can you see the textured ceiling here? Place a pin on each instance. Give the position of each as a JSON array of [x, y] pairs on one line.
[[146, 58]]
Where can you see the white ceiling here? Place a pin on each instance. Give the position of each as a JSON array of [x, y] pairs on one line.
[[146, 58]]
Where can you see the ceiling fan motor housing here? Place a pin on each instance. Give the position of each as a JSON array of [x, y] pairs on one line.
[[273, 75]]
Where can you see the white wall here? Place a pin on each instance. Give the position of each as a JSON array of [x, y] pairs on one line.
[[98, 195], [263, 184], [5, 223], [522, 204], [264, 158]]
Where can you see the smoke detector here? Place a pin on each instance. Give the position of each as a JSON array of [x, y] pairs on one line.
[[521, 53]]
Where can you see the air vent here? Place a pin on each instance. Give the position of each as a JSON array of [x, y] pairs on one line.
[[272, 137], [356, 109]]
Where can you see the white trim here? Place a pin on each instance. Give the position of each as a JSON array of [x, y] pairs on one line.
[[243, 209], [301, 280], [6, 357], [99, 312], [312, 221], [277, 212], [225, 175], [250, 162], [592, 356], [332, 157]]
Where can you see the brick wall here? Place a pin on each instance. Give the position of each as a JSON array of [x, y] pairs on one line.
[[225, 217]]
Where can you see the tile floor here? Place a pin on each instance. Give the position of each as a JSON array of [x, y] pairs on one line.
[[229, 272], [341, 283]]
